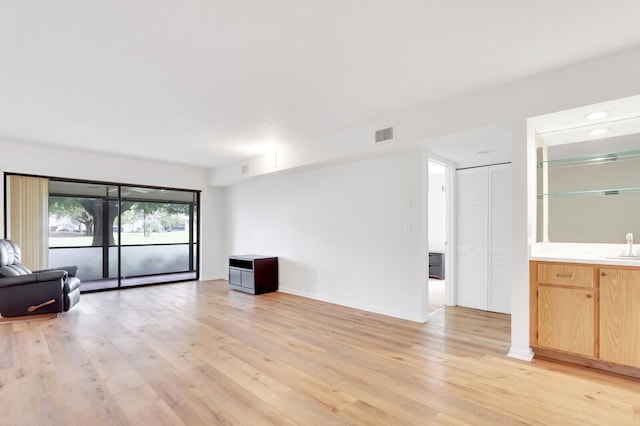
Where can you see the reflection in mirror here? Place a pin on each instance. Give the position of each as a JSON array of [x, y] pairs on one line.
[[589, 191]]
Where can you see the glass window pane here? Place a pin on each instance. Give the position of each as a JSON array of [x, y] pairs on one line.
[[77, 215], [87, 259], [148, 260], [113, 262], [70, 223], [154, 216]]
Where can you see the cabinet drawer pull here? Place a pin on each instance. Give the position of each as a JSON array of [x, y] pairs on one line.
[[589, 296], [603, 274], [564, 275]]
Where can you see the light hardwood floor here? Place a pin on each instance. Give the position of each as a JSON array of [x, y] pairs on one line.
[[436, 295], [196, 353]]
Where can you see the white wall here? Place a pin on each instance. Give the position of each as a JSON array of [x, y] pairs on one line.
[[21, 157], [213, 264], [350, 234]]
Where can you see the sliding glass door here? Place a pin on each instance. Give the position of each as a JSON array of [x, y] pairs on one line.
[[79, 215], [123, 235], [158, 229]]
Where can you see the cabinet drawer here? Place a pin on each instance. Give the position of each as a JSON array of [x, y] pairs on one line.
[[570, 275]]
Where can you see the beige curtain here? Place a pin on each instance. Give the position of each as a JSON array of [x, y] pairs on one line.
[[28, 219]]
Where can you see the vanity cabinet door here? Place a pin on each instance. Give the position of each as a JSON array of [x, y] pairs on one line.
[[620, 316], [566, 319]]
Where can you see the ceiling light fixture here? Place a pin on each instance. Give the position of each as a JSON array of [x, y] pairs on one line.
[[596, 115], [597, 132]]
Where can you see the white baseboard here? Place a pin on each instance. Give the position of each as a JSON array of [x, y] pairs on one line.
[[212, 278], [524, 354], [349, 304]]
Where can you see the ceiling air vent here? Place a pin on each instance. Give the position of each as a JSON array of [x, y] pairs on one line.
[[384, 135], [244, 169]]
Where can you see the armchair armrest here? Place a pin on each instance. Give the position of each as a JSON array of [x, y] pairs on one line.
[[54, 275], [71, 270]]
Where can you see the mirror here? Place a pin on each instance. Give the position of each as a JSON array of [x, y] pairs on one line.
[[588, 188], [588, 173]]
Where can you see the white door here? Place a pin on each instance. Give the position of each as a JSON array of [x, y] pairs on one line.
[[484, 238], [472, 217], [499, 290]]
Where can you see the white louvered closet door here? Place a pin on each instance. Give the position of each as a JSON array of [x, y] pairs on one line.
[[472, 267], [484, 238], [499, 291]]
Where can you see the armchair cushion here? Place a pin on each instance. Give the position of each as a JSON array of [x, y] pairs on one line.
[[13, 271], [10, 256]]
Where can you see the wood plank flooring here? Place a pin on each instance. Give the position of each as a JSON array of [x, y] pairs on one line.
[[196, 353]]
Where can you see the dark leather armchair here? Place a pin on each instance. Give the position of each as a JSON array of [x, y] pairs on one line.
[[23, 292]]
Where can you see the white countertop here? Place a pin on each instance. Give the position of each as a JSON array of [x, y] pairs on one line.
[[601, 254]]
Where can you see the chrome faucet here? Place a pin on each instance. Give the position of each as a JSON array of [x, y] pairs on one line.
[[629, 252]]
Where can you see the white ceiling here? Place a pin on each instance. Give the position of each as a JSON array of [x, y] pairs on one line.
[[210, 82]]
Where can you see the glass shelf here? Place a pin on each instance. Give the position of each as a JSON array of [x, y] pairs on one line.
[[591, 192], [592, 159]]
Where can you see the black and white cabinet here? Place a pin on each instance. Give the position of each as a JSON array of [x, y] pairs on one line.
[[436, 265], [253, 274]]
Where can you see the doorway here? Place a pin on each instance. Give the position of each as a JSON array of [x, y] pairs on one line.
[[439, 235]]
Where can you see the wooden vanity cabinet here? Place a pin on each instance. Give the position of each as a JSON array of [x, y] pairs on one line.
[[586, 314], [566, 309], [620, 316]]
